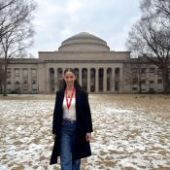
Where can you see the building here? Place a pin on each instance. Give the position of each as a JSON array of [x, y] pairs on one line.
[[98, 69]]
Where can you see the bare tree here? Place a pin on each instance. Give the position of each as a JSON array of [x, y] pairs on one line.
[[157, 9], [5, 25], [16, 17], [1, 77], [154, 38], [163, 8], [137, 65], [136, 45], [4, 4]]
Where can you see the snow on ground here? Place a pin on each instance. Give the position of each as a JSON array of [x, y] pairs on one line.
[[131, 132]]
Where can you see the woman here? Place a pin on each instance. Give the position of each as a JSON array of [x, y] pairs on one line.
[[72, 124]]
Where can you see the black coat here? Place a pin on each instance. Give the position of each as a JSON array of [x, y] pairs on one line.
[[83, 125]]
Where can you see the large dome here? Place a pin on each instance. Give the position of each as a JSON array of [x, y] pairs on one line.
[[84, 42]]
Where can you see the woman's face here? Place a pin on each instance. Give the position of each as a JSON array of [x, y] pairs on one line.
[[69, 78]]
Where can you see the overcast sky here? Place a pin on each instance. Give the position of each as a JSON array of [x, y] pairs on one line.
[[57, 20]]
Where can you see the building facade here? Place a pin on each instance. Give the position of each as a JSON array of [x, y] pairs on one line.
[[98, 69]]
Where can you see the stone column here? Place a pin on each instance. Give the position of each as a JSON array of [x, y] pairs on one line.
[[20, 80], [121, 80], [105, 79], [60, 74], [97, 80], [47, 80], [80, 76], [51, 82], [29, 81], [147, 79], [12, 79], [155, 80], [113, 80], [88, 79], [37, 78], [55, 80], [42, 79]]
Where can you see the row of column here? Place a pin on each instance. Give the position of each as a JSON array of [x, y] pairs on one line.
[[92, 79], [19, 77]]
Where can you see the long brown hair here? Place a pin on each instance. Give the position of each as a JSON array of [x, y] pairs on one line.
[[76, 83]]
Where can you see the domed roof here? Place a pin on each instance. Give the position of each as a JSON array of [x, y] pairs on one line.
[[84, 42]]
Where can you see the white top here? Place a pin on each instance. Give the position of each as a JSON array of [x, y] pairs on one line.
[[71, 113]]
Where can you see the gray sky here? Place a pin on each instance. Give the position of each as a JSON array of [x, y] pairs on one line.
[[57, 20]]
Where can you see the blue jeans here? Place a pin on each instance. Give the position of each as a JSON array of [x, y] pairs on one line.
[[67, 142]]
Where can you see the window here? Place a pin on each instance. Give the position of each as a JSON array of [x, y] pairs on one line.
[[34, 72], [33, 82], [169, 70], [152, 70], [135, 80], [17, 82], [159, 72], [134, 89], [8, 73], [143, 70], [151, 90], [25, 82], [159, 81], [17, 72], [151, 82], [134, 70], [143, 81], [25, 72]]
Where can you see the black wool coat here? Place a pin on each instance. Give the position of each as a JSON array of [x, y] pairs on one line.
[[83, 125]]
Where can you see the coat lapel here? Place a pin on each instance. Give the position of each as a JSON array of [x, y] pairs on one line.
[[61, 103], [62, 96], [77, 100]]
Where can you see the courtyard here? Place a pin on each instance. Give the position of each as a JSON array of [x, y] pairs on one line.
[[131, 132]]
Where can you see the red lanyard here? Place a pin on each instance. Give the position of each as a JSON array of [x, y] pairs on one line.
[[69, 103]]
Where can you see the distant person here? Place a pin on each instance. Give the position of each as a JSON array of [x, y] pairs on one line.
[[72, 124]]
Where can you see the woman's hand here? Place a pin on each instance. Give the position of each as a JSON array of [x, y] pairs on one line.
[[88, 137]]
